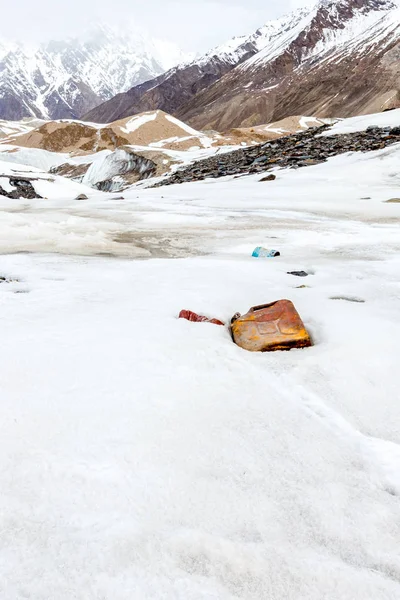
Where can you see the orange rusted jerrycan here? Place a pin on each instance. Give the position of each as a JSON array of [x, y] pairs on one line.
[[275, 326]]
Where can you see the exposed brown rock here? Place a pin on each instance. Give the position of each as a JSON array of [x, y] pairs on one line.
[[75, 172], [271, 177]]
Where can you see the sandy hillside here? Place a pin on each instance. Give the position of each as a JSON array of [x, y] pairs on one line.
[[159, 129], [271, 131], [154, 129], [146, 129]]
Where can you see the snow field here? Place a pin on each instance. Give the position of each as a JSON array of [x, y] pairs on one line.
[[146, 457], [390, 118]]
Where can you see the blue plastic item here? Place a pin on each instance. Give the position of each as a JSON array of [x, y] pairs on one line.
[[261, 252]]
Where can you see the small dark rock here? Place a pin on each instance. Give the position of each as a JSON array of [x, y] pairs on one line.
[[348, 299], [269, 178], [298, 273]]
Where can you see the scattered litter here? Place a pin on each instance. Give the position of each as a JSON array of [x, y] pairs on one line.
[[348, 299], [191, 316], [298, 273], [7, 280], [270, 327], [260, 252], [268, 178]]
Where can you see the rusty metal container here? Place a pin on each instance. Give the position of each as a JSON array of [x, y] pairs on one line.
[[275, 326], [195, 318]]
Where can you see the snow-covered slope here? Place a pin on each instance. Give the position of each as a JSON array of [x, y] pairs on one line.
[[345, 26], [235, 49], [386, 119], [143, 457], [65, 79], [11, 128], [49, 187]]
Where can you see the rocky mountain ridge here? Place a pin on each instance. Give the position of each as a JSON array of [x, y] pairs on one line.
[[178, 86], [336, 58], [331, 64]]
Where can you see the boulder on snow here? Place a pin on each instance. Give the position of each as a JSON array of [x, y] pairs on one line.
[[268, 178], [118, 170], [82, 197], [23, 189], [270, 327], [298, 273]]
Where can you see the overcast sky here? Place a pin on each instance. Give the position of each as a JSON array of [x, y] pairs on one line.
[[196, 25]]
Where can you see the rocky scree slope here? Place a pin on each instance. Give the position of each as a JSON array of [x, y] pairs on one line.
[[339, 57], [295, 151], [66, 79]]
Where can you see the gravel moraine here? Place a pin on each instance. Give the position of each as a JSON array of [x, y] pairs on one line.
[[294, 151]]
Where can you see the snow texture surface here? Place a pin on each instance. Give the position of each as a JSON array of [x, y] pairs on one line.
[[146, 457], [390, 118]]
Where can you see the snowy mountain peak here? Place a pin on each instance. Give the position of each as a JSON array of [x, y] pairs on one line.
[[362, 5], [328, 25], [64, 79]]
